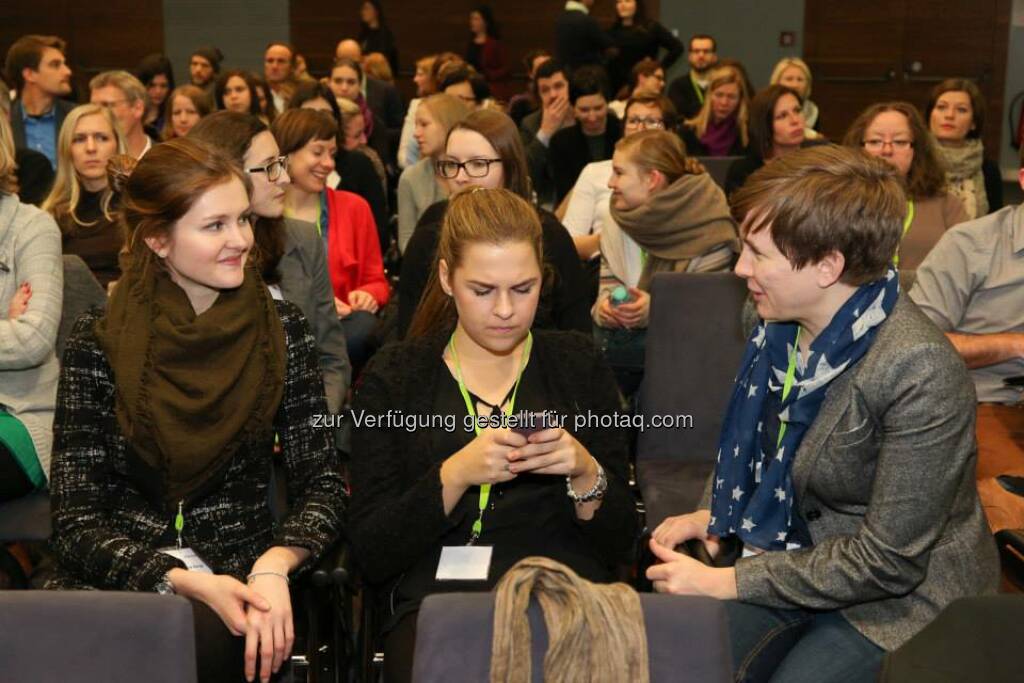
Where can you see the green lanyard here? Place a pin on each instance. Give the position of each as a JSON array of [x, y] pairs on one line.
[[485, 489], [697, 89], [788, 384], [906, 228]]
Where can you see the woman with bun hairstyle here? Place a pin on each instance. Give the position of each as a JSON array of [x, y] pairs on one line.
[[167, 411], [560, 492]]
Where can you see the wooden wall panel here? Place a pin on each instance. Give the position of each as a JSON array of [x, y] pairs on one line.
[[423, 28], [113, 34]]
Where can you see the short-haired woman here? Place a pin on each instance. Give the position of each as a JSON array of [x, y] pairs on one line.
[[956, 117], [82, 201], [31, 295], [721, 128], [309, 139], [418, 492], [419, 187], [846, 459], [894, 131], [169, 405], [485, 150]]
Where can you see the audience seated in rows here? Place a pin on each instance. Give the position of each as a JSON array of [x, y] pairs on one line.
[[721, 129], [895, 132], [500, 490], [343, 219], [484, 150], [346, 79], [647, 76], [381, 98], [134, 447], [31, 292], [82, 202], [956, 117], [427, 79]]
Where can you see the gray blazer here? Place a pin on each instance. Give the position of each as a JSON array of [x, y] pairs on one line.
[[885, 478], [306, 283]]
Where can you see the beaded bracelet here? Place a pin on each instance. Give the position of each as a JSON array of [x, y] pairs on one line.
[[596, 491]]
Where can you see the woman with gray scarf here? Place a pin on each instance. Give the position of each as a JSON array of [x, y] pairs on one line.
[[668, 216], [956, 116]]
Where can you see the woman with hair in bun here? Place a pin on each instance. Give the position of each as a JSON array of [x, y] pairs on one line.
[[558, 493], [167, 411]]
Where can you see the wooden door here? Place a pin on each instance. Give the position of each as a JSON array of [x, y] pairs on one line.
[[877, 50]]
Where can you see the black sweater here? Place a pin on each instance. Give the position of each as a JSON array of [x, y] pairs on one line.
[[637, 42], [564, 302], [397, 522]]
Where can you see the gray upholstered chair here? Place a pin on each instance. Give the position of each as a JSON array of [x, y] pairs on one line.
[[687, 639], [717, 167], [82, 291], [695, 342], [115, 637]]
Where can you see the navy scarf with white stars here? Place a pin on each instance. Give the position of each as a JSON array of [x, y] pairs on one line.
[[752, 497]]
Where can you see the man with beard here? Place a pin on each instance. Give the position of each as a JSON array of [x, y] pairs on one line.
[[687, 92], [35, 66]]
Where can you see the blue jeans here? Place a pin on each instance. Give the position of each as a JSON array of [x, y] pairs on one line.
[[795, 646]]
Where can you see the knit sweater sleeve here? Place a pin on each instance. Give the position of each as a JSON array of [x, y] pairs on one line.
[[397, 515], [26, 341], [315, 487], [79, 489]]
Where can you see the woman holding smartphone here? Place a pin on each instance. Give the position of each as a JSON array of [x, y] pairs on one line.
[[560, 492]]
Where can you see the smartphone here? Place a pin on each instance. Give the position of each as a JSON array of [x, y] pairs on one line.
[[527, 423]]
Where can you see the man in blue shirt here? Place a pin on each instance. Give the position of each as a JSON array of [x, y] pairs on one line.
[[35, 66]]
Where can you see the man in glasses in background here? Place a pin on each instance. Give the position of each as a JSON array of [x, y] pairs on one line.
[[125, 96]]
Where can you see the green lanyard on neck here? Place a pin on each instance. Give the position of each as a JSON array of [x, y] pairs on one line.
[[788, 384], [697, 89], [906, 228], [485, 489]]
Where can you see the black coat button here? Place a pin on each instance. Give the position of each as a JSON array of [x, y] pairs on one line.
[[813, 515]]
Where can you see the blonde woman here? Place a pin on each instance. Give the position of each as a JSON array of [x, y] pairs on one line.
[[720, 128], [794, 73], [418, 187], [81, 198]]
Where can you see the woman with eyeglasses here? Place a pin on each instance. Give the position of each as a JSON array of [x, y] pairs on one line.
[[419, 187], [485, 150], [895, 132], [309, 139], [474, 351], [291, 256], [720, 129]]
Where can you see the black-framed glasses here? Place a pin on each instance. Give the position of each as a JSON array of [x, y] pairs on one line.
[[274, 168], [474, 168]]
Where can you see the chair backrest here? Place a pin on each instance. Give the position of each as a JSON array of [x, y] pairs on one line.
[[695, 341], [687, 639], [26, 518], [717, 167], [116, 637], [82, 291]]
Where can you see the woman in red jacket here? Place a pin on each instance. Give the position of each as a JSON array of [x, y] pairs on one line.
[[309, 139]]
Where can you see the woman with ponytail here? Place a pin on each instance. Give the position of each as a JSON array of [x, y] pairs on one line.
[[167, 412], [425, 483]]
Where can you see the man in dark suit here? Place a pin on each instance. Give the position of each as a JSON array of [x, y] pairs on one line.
[[579, 39], [35, 66], [593, 137], [687, 92], [537, 129]]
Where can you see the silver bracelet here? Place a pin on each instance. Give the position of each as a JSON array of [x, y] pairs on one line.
[[252, 576], [596, 491]]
